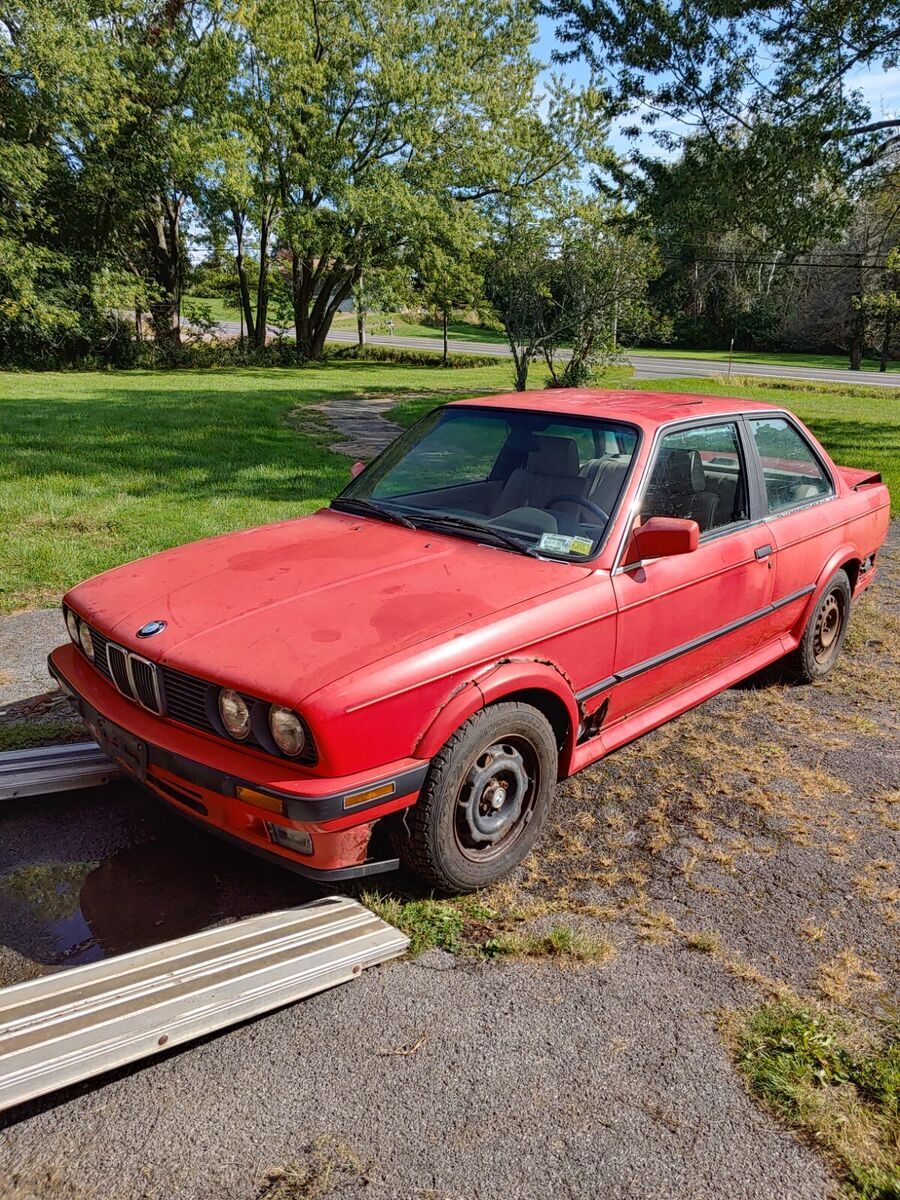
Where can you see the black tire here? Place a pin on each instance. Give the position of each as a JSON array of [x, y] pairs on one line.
[[485, 800], [820, 646]]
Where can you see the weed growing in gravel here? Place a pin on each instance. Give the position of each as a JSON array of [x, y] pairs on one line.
[[428, 923], [562, 943], [23, 735], [817, 1073], [467, 926]]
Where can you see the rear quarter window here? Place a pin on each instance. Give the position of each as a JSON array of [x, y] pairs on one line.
[[791, 469]]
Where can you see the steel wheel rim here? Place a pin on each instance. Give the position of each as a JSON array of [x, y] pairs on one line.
[[495, 801], [829, 623]]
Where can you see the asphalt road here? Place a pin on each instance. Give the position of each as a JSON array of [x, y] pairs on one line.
[[646, 366]]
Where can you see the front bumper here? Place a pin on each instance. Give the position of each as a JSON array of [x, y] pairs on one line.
[[151, 750]]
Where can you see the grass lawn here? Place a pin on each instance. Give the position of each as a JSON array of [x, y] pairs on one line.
[[221, 310], [98, 468], [777, 358]]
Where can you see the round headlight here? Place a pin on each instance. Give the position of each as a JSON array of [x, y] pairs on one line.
[[235, 714], [72, 626], [87, 642], [287, 730]]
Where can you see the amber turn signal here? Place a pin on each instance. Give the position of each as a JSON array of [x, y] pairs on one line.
[[375, 793], [259, 799]]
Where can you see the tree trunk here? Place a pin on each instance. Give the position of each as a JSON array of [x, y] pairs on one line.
[[857, 338], [262, 287], [243, 284], [886, 345], [446, 355], [162, 227], [857, 321], [520, 360], [361, 329]]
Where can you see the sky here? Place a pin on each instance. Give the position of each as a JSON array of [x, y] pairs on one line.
[[880, 88]]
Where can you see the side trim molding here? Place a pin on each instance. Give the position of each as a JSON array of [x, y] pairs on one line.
[[686, 647]]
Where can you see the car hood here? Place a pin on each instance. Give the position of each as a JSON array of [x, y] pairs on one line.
[[284, 610]]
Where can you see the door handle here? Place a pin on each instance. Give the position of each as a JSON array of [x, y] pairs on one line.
[[762, 552]]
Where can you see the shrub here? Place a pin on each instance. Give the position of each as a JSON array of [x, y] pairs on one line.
[[410, 357]]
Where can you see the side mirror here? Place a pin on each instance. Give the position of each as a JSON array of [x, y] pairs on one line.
[[357, 469], [660, 537]]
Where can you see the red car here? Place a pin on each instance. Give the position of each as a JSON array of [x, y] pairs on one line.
[[517, 586]]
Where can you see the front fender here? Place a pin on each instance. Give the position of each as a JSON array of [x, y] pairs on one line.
[[496, 683]]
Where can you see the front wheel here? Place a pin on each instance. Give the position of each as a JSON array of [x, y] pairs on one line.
[[825, 631], [484, 802]]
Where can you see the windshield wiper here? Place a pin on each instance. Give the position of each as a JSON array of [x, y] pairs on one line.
[[366, 508], [485, 532]]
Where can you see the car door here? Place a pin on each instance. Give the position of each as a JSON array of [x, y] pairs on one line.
[[685, 617], [802, 526]]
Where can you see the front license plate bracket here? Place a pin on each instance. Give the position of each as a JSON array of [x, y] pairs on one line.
[[121, 746]]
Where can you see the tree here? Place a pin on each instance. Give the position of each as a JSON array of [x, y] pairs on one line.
[[571, 278], [379, 290], [447, 268], [881, 307], [600, 290], [763, 90], [384, 115]]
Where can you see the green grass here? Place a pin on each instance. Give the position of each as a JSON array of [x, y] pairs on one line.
[[23, 735], [429, 924], [775, 358], [100, 468], [377, 323], [859, 426], [833, 1084], [467, 926]]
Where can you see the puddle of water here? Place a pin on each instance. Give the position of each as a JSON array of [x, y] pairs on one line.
[[60, 910]]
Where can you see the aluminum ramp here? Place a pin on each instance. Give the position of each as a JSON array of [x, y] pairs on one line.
[[69, 1026], [54, 769]]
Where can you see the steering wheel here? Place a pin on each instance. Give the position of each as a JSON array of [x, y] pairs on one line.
[[587, 505]]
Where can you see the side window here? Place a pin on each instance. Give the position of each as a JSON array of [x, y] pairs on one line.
[[792, 473], [699, 474]]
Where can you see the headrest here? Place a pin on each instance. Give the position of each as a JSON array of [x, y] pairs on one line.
[[553, 455], [684, 470]]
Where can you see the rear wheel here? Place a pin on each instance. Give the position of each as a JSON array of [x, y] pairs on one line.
[[825, 631], [484, 802]]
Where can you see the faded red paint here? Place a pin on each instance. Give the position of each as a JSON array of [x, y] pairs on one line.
[[385, 639]]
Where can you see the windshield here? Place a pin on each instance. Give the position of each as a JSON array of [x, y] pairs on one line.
[[539, 482]]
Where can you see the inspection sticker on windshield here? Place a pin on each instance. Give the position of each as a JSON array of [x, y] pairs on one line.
[[561, 543]]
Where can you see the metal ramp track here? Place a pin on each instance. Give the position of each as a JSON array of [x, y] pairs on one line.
[[54, 769], [78, 1023]]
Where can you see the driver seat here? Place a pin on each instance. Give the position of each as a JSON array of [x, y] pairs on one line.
[[551, 471]]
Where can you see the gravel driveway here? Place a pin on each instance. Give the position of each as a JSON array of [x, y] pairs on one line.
[[750, 845]]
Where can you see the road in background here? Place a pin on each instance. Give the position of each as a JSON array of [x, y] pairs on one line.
[[646, 366]]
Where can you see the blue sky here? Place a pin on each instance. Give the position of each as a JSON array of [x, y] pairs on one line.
[[880, 88]]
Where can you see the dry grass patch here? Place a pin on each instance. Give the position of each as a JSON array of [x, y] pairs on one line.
[[327, 1166]]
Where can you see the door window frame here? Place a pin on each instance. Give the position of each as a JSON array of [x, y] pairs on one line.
[[790, 421], [756, 499]]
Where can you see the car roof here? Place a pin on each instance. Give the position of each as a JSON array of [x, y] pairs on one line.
[[647, 409]]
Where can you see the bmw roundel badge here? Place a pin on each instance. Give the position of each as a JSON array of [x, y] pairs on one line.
[[151, 628]]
